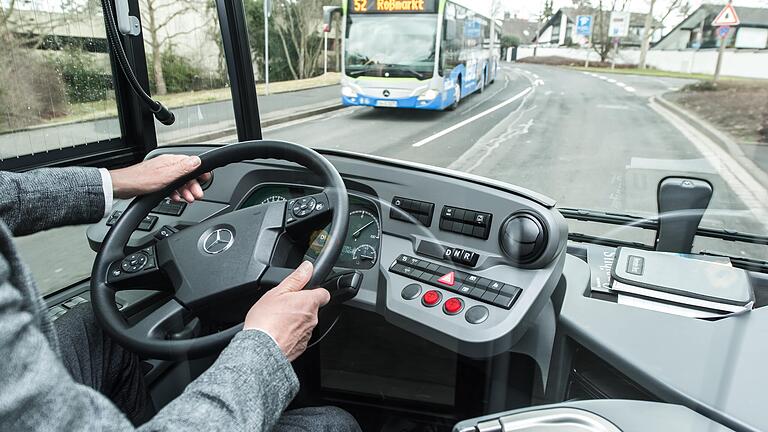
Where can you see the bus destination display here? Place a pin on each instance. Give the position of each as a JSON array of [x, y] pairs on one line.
[[392, 6]]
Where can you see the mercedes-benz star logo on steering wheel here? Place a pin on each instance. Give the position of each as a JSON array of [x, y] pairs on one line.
[[218, 241]]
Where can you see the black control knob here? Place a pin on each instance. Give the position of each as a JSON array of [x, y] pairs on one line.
[[523, 237]]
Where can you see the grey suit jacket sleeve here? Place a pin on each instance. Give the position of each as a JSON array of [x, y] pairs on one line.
[[49, 198], [246, 389]]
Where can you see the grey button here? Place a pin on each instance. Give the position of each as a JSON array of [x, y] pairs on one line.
[[411, 291], [476, 314]]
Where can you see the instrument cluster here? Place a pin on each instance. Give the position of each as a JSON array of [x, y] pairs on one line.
[[361, 246]]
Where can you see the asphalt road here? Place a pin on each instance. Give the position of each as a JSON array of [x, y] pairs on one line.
[[588, 140]]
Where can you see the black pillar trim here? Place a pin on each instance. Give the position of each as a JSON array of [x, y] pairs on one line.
[[137, 125], [237, 52]]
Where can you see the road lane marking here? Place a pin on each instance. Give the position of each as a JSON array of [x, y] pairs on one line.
[[507, 80], [748, 189], [473, 118], [612, 81], [614, 107], [483, 148], [621, 84], [629, 89]]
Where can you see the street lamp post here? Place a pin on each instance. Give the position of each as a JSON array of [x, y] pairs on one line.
[[325, 53], [266, 45]]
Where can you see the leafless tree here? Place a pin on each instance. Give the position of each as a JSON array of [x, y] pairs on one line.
[[297, 25], [156, 16], [675, 5]]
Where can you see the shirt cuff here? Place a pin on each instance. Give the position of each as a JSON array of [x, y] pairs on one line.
[[267, 333], [106, 182]]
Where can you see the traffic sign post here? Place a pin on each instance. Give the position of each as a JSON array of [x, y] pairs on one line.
[[618, 28], [726, 19], [584, 25], [584, 28]]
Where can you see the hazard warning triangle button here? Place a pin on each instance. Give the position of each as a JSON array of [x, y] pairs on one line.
[[448, 279], [726, 17]]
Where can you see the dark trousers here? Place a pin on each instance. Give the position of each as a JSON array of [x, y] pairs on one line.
[[94, 360]]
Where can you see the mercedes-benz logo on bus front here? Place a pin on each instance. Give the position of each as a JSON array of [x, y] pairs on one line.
[[218, 241], [386, 93]]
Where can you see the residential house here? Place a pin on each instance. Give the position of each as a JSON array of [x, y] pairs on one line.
[[696, 31], [560, 29], [522, 29]]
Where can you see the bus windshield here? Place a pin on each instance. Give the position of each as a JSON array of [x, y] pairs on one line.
[[391, 46]]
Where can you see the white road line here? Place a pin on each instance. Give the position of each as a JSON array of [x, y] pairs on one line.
[[473, 118], [629, 89], [483, 148], [621, 84], [507, 79], [604, 78], [612, 81]]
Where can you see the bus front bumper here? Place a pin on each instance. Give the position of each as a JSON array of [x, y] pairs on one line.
[[411, 102]]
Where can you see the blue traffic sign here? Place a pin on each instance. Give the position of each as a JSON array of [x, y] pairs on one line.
[[723, 31], [584, 25]]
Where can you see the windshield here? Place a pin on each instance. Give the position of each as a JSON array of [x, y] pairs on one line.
[[402, 45], [594, 104]]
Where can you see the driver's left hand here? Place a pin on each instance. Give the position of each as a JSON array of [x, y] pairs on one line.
[[154, 174]]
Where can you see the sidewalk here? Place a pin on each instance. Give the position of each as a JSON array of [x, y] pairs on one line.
[[194, 123], [753, 157]]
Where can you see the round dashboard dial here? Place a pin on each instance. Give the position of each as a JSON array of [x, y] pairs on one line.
[[363, 227], [363, 238], [364, 253]]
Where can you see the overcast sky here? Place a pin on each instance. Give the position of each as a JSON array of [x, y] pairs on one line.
[[530, 9]]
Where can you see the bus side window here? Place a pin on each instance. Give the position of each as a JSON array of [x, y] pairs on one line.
[[449, 29]]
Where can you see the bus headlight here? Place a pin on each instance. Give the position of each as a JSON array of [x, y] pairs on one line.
[[429, 95], [348, 92]]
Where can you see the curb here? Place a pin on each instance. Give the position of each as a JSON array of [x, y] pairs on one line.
[[270, 119], [718, 137], [115, 116]]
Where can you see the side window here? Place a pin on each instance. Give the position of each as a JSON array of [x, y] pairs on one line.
[[187, 70], [56, 92], [56, 88]]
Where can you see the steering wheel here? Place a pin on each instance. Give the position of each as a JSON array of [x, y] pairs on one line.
[[230, 257]]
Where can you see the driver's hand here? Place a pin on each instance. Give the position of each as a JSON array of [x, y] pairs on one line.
[[288, 313], [156, 173]]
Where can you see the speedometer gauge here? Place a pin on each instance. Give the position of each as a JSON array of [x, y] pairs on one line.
[[362, 240], [361, 245], [363, 227]]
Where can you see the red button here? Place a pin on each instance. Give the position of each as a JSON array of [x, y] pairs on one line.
[[431, 298], [448, 279], [453, 306]]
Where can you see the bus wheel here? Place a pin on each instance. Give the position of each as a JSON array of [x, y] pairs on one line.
[[457, 99], [482, 84]]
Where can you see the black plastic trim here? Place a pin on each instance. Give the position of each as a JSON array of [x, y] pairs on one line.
[[112, 153], [237, 51]]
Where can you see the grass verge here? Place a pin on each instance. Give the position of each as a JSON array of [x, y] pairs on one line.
[[106, 108], [739, 107]]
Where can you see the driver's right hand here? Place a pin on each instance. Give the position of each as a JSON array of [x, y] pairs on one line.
[[288, 313]]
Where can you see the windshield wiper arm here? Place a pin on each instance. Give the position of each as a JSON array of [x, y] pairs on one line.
[[740, 262], [405, 68], [653, 224], [357, 72]]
